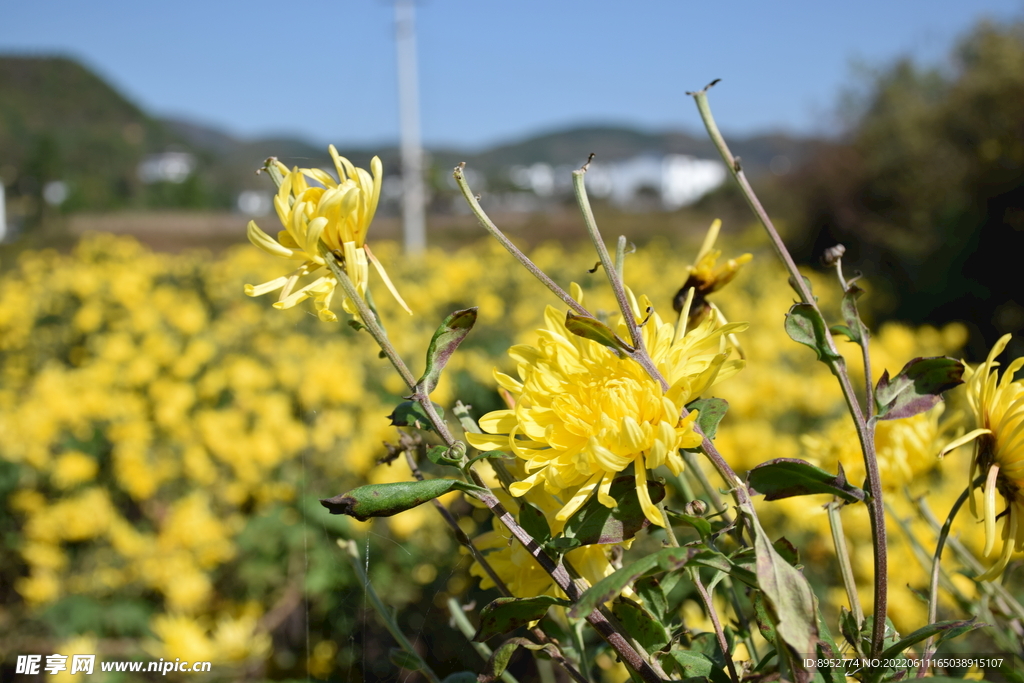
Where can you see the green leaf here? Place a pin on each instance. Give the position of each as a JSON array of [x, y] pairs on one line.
[[596, 524], [788, 477], [698, 665], [439, 455], [702, 525], [411, 414], [502, 655], [788, 597], [535, 523], [807, 282], [487, 455], [384, 500], [641, 624], [917, 387], [944, 629], [854, 328], [595, 330], [460, 677], [666, 559], [560, 545], [653, 595], [507, 614], [711, 412], [763, 619], [446, 339], [805, 325], [404, 660]]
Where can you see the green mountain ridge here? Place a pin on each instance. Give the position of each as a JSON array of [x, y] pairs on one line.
[[59, 121]]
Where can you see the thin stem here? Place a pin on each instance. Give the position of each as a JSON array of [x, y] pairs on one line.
[[466, 628], [1008, 603], [843, 556], [620, 255], [865, 427], [933, 586], [460, 535], [488, 224], [693, 467], [352, 552], [716, 622], [557, 572]]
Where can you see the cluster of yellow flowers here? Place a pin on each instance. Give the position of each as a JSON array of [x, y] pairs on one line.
[[150, 414]]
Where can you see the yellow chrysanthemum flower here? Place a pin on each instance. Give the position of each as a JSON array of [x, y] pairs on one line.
[[998, 406], [706, 276], [583, 414], [335, 212]]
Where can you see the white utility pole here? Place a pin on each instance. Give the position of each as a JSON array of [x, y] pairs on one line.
[[413, 195], [3, 213]]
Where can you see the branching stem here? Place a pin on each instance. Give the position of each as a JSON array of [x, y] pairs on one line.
[[865, 427]]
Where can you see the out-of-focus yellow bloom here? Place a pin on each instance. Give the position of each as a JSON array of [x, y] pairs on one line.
[[337, 214], [998, 406], [583, 414], [706, 276]]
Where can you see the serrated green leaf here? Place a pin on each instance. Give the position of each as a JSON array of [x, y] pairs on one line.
[[384, 500], [641, 624], [411, 414], [854, 328], [507, 614], [788, 477], [788, 596], [698, 665], [502, 655], [917, 387], [446, 339], [595, 330], [652, 592], [535, 523], [596, 524], [805, 325], [710, 413]]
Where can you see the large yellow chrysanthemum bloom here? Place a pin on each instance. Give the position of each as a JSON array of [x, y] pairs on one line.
[[583, 414], [335, 212], [998, 406]]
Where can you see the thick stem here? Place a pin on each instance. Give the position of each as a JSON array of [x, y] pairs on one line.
[[717, 623], [843, 556], [557, 572], [352, 553], [865, 428], [488, 224]]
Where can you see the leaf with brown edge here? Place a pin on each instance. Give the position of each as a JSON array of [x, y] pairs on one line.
[[507, 614], [384, 500], [446, 339]]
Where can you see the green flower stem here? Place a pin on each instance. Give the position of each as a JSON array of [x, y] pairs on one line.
[[865, 335], [620, 256], [709, 605], [693, 467], [639, 354], [865, 427], [460, 535], [488, 224], [835, 521], [462, 623], [933, 586], [557, 571], [352, 553], [1005, 600]]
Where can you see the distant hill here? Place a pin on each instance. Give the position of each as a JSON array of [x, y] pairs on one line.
[[60, 121]]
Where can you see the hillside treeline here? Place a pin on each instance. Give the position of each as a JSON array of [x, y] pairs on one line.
[[926, 187]]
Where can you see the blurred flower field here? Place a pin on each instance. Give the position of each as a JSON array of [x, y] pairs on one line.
[[164, 440]]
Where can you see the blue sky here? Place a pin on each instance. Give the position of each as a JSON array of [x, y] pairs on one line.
[[490, 71]]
